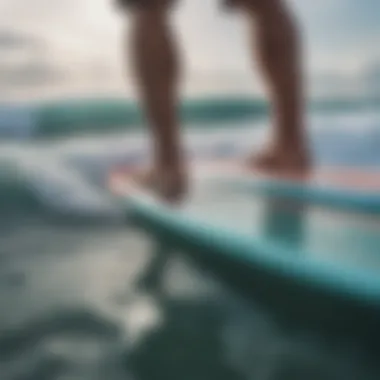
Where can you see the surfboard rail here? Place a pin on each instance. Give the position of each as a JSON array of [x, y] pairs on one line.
[[299, 289], [352, 189], [358, 201]]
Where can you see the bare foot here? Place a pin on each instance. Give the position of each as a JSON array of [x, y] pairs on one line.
[[281, 162], [169, 184]]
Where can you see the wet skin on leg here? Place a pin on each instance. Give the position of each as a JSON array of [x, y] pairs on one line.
[[157, 72], [275, 32]]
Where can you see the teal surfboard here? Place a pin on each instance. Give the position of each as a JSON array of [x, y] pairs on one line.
[[293, 246]]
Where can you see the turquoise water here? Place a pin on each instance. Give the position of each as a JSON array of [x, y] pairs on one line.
[[82, 296], [78, 304]]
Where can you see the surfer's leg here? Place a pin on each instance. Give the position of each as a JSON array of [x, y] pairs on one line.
[[156, 68], [280, 59]]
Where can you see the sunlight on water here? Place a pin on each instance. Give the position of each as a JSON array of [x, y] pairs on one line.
[[86, 301]]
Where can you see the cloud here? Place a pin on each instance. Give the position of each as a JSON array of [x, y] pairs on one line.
[[10, 40], [30, 74], [24, 62], [341, 32], [78, 39]]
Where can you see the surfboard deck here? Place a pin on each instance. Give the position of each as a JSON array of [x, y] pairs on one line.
[[334, 208], [289, 244], [352, 189]]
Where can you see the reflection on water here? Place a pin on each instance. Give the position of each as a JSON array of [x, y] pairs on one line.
[[220, 336], [103, 302], [91, 303], [187, 345], [152, 277]]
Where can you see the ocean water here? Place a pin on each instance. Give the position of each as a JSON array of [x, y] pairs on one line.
[[83, 295]]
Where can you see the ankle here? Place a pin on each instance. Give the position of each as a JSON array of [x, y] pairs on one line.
[[296, 144], [174, 164]]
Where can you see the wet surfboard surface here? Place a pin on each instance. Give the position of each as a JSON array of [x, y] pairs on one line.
[[355, 189], [282, 210], [277, 234]]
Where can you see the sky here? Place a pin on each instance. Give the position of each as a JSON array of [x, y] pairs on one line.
[[52, 47]]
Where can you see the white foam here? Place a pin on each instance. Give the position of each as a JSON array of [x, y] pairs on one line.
[[64, 175], [65, 192]]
